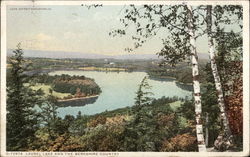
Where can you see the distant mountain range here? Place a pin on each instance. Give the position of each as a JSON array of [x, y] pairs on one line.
[[64, 54]]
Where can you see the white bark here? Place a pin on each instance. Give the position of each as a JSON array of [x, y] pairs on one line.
[[207, 132], [226, 129], [196, 83]]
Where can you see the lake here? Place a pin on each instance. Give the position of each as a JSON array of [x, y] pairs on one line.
[[119, 90]]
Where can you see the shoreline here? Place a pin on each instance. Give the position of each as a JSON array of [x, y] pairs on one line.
[[41, 71], [169, 77], [182, 83], [80, 98]]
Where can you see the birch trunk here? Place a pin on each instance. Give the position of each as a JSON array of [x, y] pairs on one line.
[[207, 132], [225, 139], [196, 83]]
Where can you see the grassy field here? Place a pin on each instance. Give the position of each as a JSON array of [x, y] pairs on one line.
[[175, 105], [46, 88]]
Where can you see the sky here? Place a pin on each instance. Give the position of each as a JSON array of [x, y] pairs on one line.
[[75, 29]]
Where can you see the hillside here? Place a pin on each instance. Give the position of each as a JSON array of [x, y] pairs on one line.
[[64, 54], [154, 127]]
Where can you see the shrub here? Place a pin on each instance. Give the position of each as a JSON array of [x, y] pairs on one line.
[[183, 142], [95, 122], [103, 138]]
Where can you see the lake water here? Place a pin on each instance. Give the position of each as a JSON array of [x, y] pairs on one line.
[[119, 90]]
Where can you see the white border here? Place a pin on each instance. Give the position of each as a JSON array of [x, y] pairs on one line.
[[3, 78], [246, 66], [117, 2]]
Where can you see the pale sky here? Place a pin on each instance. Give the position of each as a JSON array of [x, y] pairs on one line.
[[75, 29]]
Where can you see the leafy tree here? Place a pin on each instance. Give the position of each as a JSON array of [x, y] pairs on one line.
[[103, 138], [98, 120], [183, 24], [180, 23], [211, 108], [229, 63], [142, 95], [234, 102], [183, 142], [230, 49], [150, 124], [48, 114], [21, 100], [226, 135]]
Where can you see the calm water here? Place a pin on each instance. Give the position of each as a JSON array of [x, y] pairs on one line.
[[118, 90]]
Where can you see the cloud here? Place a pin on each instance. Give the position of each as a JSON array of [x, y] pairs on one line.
[[69, 35], [38, 41], [43, 37]]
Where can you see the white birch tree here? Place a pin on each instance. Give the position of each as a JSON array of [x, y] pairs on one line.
[[196, 83], [183, 25], [178, 45], [226, 136], [225, 139]]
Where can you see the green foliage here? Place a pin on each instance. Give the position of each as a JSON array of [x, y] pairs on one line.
[[229, 54], [151, 125], [171, 19], [80, 85], [210, 106], [21, 116], [140, 134], [187, 110], [72, 88], [228, 60], [103, 138], [78, 126], [182, 72], [48, 110], [142, 95], [150, 20], [32, 121], [45, 78], [98, 120], [145, 129]]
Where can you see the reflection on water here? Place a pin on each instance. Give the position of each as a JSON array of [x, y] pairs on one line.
[[162, 79], [78, 102], [119, 90], [184, 87]]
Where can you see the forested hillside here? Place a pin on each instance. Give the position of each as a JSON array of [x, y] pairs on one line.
[[209, 117], [78, 86]]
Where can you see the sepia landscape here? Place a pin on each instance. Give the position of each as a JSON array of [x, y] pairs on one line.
[[127, 78]]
